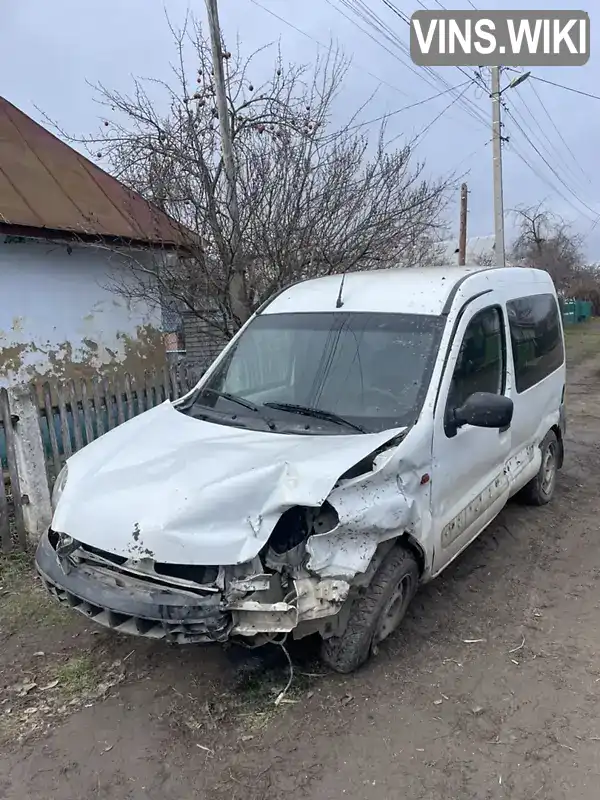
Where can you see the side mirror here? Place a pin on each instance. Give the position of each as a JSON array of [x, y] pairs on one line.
[[483, 410]]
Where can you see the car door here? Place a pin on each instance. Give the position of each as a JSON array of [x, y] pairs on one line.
[[469, 485], [536, 336]]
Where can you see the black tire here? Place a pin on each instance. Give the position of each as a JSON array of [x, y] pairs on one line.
[[540, 490], [399, 572]]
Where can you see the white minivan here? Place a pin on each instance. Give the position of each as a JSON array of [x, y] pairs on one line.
[[353, 438]]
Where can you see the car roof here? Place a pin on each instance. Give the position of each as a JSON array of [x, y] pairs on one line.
[[414, 290]]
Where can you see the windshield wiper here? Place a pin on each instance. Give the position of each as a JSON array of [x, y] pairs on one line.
[[318, 413], [242, 402]]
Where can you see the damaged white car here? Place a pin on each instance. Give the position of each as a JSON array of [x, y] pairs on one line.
[[353, 438]]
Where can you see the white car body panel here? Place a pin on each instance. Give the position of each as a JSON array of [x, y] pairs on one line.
[[174, 489], [165, 487]]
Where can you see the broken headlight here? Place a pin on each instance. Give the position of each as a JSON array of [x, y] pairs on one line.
[[298, 523], [59, 485]]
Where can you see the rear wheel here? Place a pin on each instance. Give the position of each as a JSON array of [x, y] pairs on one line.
[[540, 490], [375, 614]]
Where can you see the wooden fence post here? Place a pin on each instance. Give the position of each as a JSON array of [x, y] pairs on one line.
[[31, 463], [8, 422], [70, 409]]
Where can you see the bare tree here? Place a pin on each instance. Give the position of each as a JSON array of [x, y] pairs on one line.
[[314, 199], [546, 241], [585, 285], [485, 259]]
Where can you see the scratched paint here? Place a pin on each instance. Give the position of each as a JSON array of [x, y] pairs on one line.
[[485, 499], [64, 321]]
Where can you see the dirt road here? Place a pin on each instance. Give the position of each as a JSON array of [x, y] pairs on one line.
[[490, 690]]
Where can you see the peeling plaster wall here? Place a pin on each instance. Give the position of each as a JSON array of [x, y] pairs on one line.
[[59, 318]]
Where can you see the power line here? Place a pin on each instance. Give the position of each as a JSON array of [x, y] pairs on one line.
[[423, 132], [549, 165], [384, 116], [347, 4], [468, 105], [412, 105], [513, 149], [544, 141], [370, 18], [398, 12], [566, 88], [394, 42], [325, 47], [428, 127], [551, 168], [381, 29], [561, 137], [475, 152], [444, 7], [555, 157]]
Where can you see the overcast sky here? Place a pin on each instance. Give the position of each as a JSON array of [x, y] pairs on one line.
[[50, 48]]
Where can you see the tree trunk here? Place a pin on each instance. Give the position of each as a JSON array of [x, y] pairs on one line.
[[238, 298]]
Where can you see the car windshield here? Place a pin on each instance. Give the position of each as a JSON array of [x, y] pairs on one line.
[[328, 373]]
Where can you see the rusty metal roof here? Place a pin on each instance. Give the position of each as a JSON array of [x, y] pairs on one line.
[[46, 185]]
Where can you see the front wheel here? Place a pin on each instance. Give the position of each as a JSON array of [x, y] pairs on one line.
[[540, 490], [374, 614]]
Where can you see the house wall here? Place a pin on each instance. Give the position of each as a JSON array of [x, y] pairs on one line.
[[202, 343], [60, 319]]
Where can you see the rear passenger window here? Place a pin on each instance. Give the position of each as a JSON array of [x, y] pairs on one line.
[[536, 338], [480, 366]]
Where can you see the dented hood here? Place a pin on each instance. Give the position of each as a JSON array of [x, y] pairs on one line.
[[181, 490]]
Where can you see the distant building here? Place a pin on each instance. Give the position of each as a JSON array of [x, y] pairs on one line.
[[67, 229], [479, 249]]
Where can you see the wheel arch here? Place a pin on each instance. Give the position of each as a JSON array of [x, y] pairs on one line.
[[404, 540], [410, 543], [557, 431]]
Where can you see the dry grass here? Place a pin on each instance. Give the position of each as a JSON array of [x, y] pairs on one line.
[[78, 676], [582, 341], [23, 600]]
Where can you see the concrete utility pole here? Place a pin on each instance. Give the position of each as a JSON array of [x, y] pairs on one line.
[[237, 285], [462, 239], [497, 153]]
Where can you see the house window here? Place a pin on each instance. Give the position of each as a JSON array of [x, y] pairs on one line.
[[481, 362], [536, 338]]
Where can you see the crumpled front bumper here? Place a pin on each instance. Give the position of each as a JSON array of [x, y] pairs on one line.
[[133, 605], [142, 605]]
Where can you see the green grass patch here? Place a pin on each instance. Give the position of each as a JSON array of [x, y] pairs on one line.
[[77, 676], [23, 601]]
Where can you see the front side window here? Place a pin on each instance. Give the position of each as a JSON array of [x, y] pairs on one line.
[[481, 362], [371, 370], [536, 338]]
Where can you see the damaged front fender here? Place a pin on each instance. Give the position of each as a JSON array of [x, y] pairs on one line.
[[382, 505]]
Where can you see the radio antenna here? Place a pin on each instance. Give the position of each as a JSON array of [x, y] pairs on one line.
[[339, 302]]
